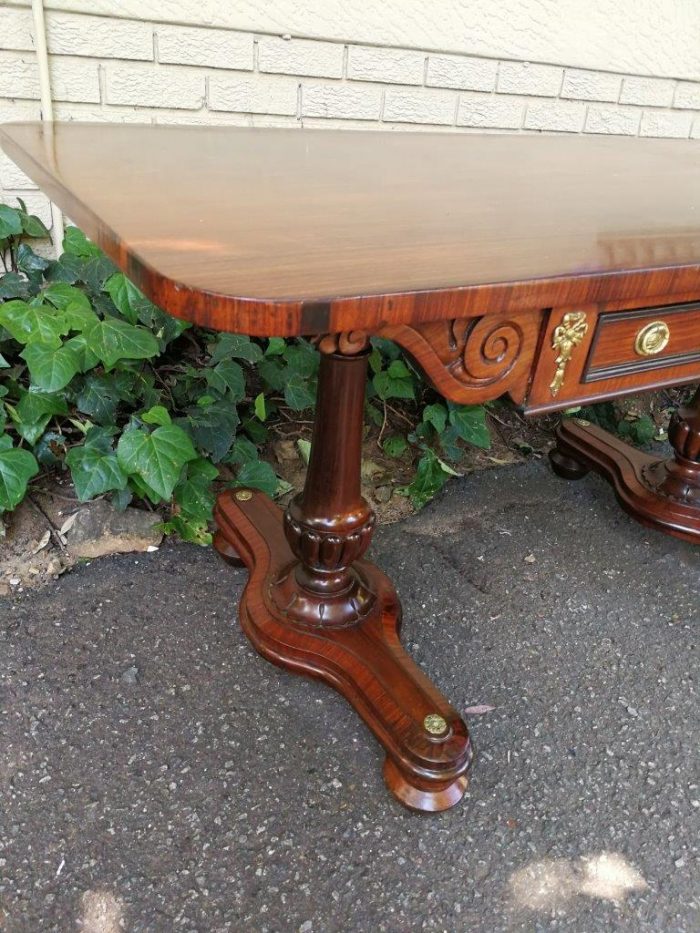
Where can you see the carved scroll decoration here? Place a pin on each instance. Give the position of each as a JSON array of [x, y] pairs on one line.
[[347, 343], [473, 360]]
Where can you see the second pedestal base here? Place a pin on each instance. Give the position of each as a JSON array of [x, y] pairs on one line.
[[661, 493], [427, 743]]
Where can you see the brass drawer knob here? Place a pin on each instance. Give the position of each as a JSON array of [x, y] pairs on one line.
[[652, 339]]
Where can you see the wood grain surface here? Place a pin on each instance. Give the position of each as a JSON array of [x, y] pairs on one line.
[[279, 232]]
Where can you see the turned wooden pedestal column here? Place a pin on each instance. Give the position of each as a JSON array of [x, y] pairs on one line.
[[659, 492], [313, 605]]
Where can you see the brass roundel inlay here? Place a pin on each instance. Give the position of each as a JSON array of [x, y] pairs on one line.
[[582, 422], [243, 495], [652, 339], [435, 724]]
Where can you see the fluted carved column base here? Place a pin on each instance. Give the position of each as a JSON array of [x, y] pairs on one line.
[[427, 745], [661, 493]]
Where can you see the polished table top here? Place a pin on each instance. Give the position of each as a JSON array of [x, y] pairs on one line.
[[265, 230]]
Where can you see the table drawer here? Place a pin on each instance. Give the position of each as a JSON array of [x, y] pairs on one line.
[[593, 352], [634, 342]]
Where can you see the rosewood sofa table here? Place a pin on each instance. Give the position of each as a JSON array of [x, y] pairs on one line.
[[556, 270]]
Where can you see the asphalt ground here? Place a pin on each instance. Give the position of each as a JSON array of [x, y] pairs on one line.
[[157, 775]]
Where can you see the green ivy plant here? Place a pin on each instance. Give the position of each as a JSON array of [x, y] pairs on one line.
[[136, 404]]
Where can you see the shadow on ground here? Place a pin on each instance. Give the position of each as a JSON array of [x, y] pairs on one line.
[[157, 775]]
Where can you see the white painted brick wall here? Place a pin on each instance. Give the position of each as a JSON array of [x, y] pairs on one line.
[[253, 95], [591, 85], [526, 78], [658, 123], [688, 95], [556, 116], [616, 121], [136, 68], [344, 101], [297, 57], [652, 91], [154, 86], [390, 66], [15, 29], [420, 106], [71, 78], [469, 74], [98, 37], [12, 176], [488, 112], [209, 48]]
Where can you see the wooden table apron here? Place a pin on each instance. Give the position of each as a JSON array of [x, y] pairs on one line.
[[556, 271]]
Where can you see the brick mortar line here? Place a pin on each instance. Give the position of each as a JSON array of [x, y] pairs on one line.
[[208, 69], [350, 43]]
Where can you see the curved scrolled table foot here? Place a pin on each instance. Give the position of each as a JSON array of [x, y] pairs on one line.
[[660, 493], [226, 551], [427, 744]]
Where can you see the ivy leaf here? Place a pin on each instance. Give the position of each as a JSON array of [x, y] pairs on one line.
[[34, 405], [51, 449], [61, 296], [77, 244], [84, 355], [260, 410], [10, 221], [79, 317], [96, 270], [395, 445], [386, 347], [242, 451], [395, 382], [431, 475], [121, 498], [448, 443], [33, 413], [469, 422], [302, 359], [124, 294], [156, 458], [113, 340], [275, 346], [304, 448], [255, 430], [13, 285], [194, 493], [51, 369], [17, 467], [29, 323], [273, 372], [297, 393], [213, 427], [166, 326], [436, 415], [259, 475], [375, 361], [3, 362], [235, 346], [156, 415], [94, 471], [98, 398], [66, 269], [142, 489], [32, 225], [187, 529], [28, 261], [101, 438], [227, 376]]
